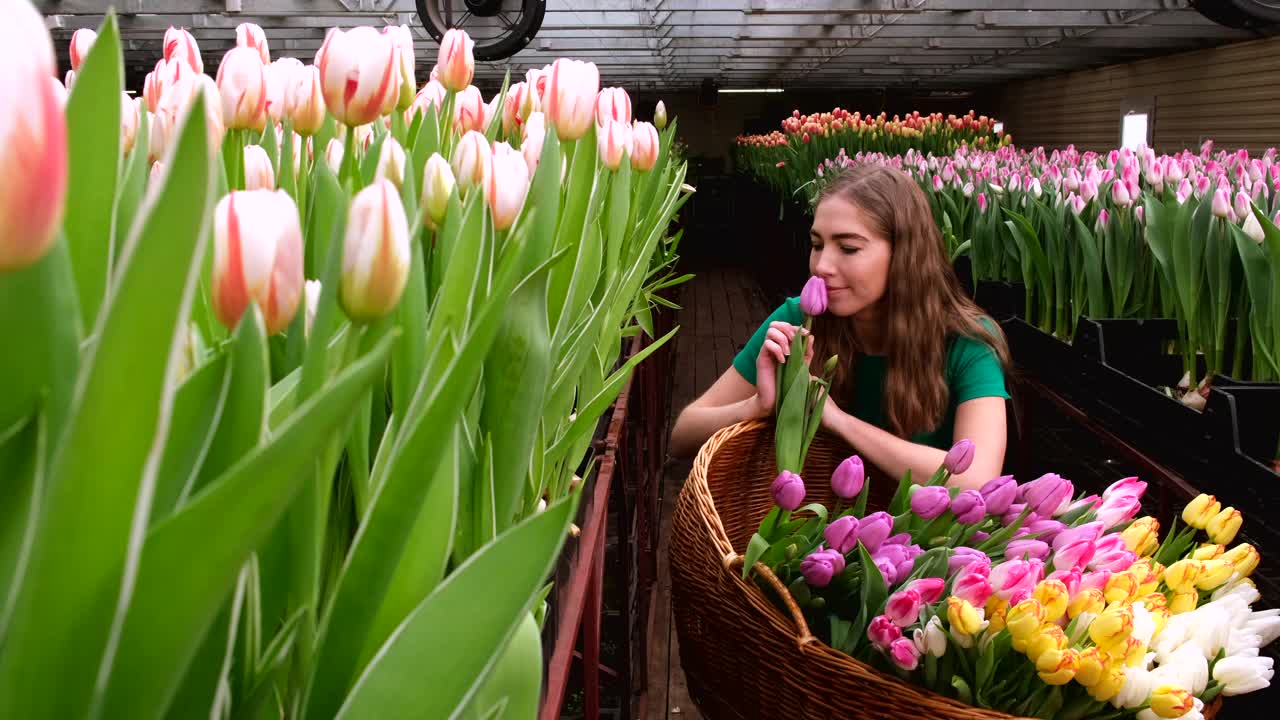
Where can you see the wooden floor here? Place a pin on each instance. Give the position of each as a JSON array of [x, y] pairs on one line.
[[720, 311]]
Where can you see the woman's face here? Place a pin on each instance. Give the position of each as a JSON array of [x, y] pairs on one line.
[[849, 255]]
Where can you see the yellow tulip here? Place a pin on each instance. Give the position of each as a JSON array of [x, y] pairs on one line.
[[1153, 601], [1184, 602], [1142, 536], [1122, 587], [1049, 638], [1171, 701], [1109, 684], [1161, 616], [1223, 527], [1208, 551], [1093, 663], [996, 618], [1133, 652], [962, 616], [1216, 572], [1086, 601], [1052, 594], [1182, 575], [1148, 579], [1025, 618], [1111, 628], [1244, 557], [1199, 511], [1058, 667]]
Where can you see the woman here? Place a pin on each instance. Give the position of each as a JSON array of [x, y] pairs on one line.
[[920, 366]]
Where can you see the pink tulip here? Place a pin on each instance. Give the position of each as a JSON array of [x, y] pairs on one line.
[[174, 104], [430, 98], [506, 185], [850, 475], [644, 146], [181, 45], [959, 457], [470, 160], [904, 654], [873, 529], [535, 133], [883, 632], [376, 253], [930, 589], [1116, 510], [813, 297], [982, 202], [1088, 190], [1073, 556], [974, 588], [242, 82], [258, 171], [257, 258], [903, 607], [570, 97], [788, 490], [81, 42], [1174, 173], [1221, 203], [128, 122], [1242, 205], [357, 74], [249, 35], [1120, 194], [167, 73], [821, 566], [613, 104], [468, 111], [1011, 576], [1072, 180], [456, 61], [842, 534], [1020, 549], [1069, 578], [612, 140]]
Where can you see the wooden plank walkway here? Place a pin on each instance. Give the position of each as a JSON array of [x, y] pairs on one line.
[[720, 311]]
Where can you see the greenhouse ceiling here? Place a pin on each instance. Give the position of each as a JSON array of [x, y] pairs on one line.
[[733, 43]]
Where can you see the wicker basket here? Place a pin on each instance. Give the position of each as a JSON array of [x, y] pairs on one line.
[[742, 656]]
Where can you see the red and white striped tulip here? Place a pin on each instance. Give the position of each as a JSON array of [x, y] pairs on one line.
[[250, 35], [470, 161], [429, 99], [535, 134], [180, 44], [570, 97], [69, 80], [128, 123], [391, 162], [644, 146], [259, 174], [81, 43], [613, 104], [156, 173], [456, 62], [305, 101], [402, 39], [280, 76], [507, 185], [242, 81], [166, 74], [333, 153], [358, 74], [468, 111], [33, 142], [257, 258], [536, 81], [174, 104], [376, 253], [613, 140], [517, 97], [437, 185]]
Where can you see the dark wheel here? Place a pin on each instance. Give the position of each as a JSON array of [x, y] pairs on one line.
[[500, 28], [1242, 14]]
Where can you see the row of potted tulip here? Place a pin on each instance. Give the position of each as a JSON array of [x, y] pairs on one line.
[[311, 357]]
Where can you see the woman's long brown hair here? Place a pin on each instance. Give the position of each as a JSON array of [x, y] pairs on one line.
[[923, 305]]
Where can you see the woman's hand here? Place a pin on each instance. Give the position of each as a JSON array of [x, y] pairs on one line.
[[774, 352], [832, 416]]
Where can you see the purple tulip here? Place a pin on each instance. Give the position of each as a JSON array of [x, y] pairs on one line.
[[974, 587], [962, 556], [1073, 556], [1047, 493], [969, 507], [981, 536], [873, 529], [1089, 531], [1037, 549], [959, 457], [1045, 530], [820, 566], [813, 298], [1014, 512], [929, 502], [899, 539], [903, 607], [849, 477], [999, 494], [842, 534], [893, 553], [930, 589], [788, 490], [883, 632]]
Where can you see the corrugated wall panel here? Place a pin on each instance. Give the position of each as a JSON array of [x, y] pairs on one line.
[[1230, 94]]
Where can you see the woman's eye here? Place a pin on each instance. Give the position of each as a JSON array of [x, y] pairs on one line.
[[815, 247], [848, 250]]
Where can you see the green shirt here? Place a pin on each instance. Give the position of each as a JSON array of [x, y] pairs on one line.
[[973, 371]]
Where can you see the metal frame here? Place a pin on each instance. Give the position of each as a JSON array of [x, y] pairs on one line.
[[675, 44]]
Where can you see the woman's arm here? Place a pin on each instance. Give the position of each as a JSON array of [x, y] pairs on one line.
[[981, 420], [730, 400]]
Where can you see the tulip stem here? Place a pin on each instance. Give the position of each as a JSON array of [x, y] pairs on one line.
[[349, 157]]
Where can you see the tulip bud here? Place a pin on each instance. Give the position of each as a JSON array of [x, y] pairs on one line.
[[1092, 663], [249, 35], [842, 534], [242, 83], [1140, 535], [570, 97], [437, 185], [1024, 620], [304, 100], [506, 185], [402, 40], [468, 111], [470, 163], [788, 490], [257, 258], [1090, 601], [456, 61], [928, 502], [280, 77], [959, 457], [258, 171], [644, 147], [391, 162], [1171, 701], [333, 154], [613, 104], [1058, 667], [376, 253], [904, 654], [1200, 511], [821, 566], [848, 479], [612, 140], [357, 74], [1253, 229], [176, 102], [1244, 557], [81, 42], [963, 617], [1221, 202], [180, 44], [1052, 594], [128, 123], [813, 297], [1240, 674], [903, 607], [660, 116]]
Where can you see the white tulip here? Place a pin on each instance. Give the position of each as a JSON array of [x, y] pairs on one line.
[[1240, 675], [931, 640], [1136, 688]]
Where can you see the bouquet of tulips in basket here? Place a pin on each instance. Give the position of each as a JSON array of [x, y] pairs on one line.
[[269, 424]]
